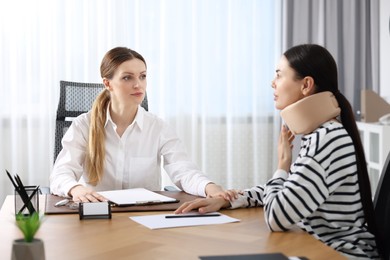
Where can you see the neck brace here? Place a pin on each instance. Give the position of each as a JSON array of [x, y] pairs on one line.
[[305, 115]]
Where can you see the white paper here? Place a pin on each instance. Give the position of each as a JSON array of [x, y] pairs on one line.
[[159, 221], [135, 196]]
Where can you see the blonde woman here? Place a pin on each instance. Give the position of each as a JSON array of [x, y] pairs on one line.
[[119, 145]]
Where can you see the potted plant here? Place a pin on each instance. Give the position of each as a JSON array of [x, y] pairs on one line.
[[28, 247]]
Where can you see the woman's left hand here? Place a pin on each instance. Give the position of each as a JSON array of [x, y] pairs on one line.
[[213, 190]]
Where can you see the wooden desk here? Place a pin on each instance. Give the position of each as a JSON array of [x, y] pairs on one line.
[[66, 237]]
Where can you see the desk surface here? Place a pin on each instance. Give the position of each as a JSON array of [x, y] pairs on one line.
[[66, 237]]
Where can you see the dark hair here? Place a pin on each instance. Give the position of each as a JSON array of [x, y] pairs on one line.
[[96, 149], [316, 61]]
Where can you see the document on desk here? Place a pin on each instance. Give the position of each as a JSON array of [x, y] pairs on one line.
[[137, 196], [182, 220]]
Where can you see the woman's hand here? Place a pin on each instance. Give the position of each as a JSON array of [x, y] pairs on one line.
[[80, 193], [213, 190], [285, 149], [203, 205]]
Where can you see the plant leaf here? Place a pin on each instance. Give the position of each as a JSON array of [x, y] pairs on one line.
[[29, 225]]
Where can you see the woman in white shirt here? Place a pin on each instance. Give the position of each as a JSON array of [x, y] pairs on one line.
[[119, 145]]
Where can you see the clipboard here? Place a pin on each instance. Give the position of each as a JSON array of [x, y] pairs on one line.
[[136, 197], [180, 196]]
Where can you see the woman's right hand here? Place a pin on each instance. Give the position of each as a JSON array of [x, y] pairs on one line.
[[285, 146], [80, 193]]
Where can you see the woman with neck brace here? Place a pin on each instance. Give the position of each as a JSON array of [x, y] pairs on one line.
[[326, 190]]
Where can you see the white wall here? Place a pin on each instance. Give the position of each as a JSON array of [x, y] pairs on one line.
[[384, 38]]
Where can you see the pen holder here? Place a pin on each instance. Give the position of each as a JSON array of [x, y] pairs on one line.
[[27, 200]]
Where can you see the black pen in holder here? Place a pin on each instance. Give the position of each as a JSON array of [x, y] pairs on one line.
[[27, 200]]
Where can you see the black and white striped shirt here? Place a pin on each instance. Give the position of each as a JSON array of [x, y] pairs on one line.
[[320, 194]]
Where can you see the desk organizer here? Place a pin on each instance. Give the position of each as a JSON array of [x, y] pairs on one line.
[[27, 200]]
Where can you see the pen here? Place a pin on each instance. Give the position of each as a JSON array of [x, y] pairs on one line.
[[193, 216], [23, 194], [12, 180], [61, 203], [147, 202]]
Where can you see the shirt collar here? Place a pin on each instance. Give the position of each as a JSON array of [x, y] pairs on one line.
[[138, 120]]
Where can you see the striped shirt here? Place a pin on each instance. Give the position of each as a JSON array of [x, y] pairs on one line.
[[320, 194]]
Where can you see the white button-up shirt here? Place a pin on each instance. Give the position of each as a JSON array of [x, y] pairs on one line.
[[131, 161]]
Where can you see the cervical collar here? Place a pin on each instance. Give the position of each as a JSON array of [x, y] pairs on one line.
[[305, 115]]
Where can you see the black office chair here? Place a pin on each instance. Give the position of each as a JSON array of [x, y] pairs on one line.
[[76, 98], [382, 209]]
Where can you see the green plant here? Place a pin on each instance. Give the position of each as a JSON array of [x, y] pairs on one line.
[[29, 225]]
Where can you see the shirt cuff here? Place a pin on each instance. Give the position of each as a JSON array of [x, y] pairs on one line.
[[68, 187], [202, 188], [240, 202], [279, 173]]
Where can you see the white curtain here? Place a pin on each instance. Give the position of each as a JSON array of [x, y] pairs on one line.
[[210, 66], [349, 29]]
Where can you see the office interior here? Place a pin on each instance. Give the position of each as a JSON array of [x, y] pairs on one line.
[[210, 66]]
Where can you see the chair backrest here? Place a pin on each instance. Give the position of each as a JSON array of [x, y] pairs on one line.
[[76, 98], [382, 209]]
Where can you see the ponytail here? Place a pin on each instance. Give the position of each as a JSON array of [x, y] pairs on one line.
[[96, 142], [349, 123]]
